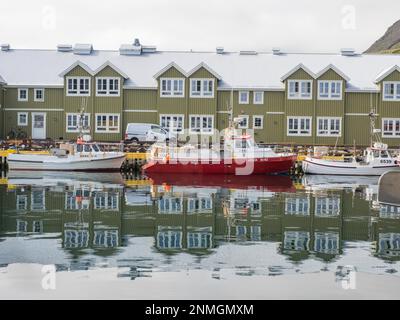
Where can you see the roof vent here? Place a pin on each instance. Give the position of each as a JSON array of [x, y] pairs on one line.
[[248, 53], [220, 50], [5, 47], [149, 49], [83, 48], [276, 51], [64, 48], [348, 52], [134, 49]]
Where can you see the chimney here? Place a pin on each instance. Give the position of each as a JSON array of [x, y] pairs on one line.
[[5, 47], [348, 52], [64, 48]]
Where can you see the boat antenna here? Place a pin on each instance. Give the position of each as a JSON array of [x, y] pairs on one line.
[[375, 137]]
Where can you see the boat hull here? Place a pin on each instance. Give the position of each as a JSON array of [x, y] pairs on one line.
[[320, 166], [272, 165], [43, 163]]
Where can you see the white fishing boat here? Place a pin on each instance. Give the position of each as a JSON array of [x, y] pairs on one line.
[[82, 155], [375, 161], [77, 157]]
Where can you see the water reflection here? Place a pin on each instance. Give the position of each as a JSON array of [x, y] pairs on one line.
[[268, 225]]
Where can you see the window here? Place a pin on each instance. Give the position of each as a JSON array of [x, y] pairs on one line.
[[391, 128], [258, 122], [299, 126], [107, 87], [243, 97], [300, 89], [170, 205], [22, 94], [22, 202], [327, 206], [38, 200], [107, 123], [22, 118], [38, 95], [37, 226], [78, 86], [106, 201], [330, 90], [297, 206], [201, 88], [258, 97], [201, 123], [173, 87], [391, 91], [244, 123], [173, 122], [169, 239], [199, 240], [72, 122], [329, 127]]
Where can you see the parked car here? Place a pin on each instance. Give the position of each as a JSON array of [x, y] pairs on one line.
[[147, 132]]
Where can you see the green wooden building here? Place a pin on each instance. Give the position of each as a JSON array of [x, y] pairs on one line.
[[290, 98]]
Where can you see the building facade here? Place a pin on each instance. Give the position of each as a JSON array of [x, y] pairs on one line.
[[311, 99]]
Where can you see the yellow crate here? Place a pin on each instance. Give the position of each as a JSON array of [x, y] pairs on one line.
[[136, 155], [133, 183]]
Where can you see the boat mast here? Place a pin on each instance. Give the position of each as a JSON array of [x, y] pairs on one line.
[[81, 118]]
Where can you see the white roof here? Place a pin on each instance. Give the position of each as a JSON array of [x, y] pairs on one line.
[[263, 71]]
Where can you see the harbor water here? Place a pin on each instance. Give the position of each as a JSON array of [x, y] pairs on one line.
[[188, 237]]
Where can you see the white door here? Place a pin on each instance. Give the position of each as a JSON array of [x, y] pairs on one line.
[[38, 125]]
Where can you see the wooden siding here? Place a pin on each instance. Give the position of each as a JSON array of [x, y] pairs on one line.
[[54, 123]]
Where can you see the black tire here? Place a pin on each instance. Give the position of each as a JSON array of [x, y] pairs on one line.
[[135, 140]]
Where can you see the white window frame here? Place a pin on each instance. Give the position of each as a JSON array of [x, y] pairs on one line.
[[396, 91], [35, 95], [78, 89], [329, 133], [77, 115], [201, 116], [24, 203], [298, 134], [247, 122], [330, 86], [248, 97], [19, 123], [108, 92], [107, 126], [202, 92], [254, 97], [19, 94], [172, 93], [393, 131], [254, 122], [298, 95], [173, 129]]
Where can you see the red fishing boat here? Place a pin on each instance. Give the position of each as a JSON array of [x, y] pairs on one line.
[[240, 155]]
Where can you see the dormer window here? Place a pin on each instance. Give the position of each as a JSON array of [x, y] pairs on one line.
[[391, 91], [78, 86], [300, 89], [201, 88], [330, 90], [172, 87], [107, 87]]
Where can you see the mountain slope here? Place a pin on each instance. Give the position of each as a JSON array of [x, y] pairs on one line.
[[389, 42]]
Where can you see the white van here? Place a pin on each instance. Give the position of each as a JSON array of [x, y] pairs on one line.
[[147, 132]]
